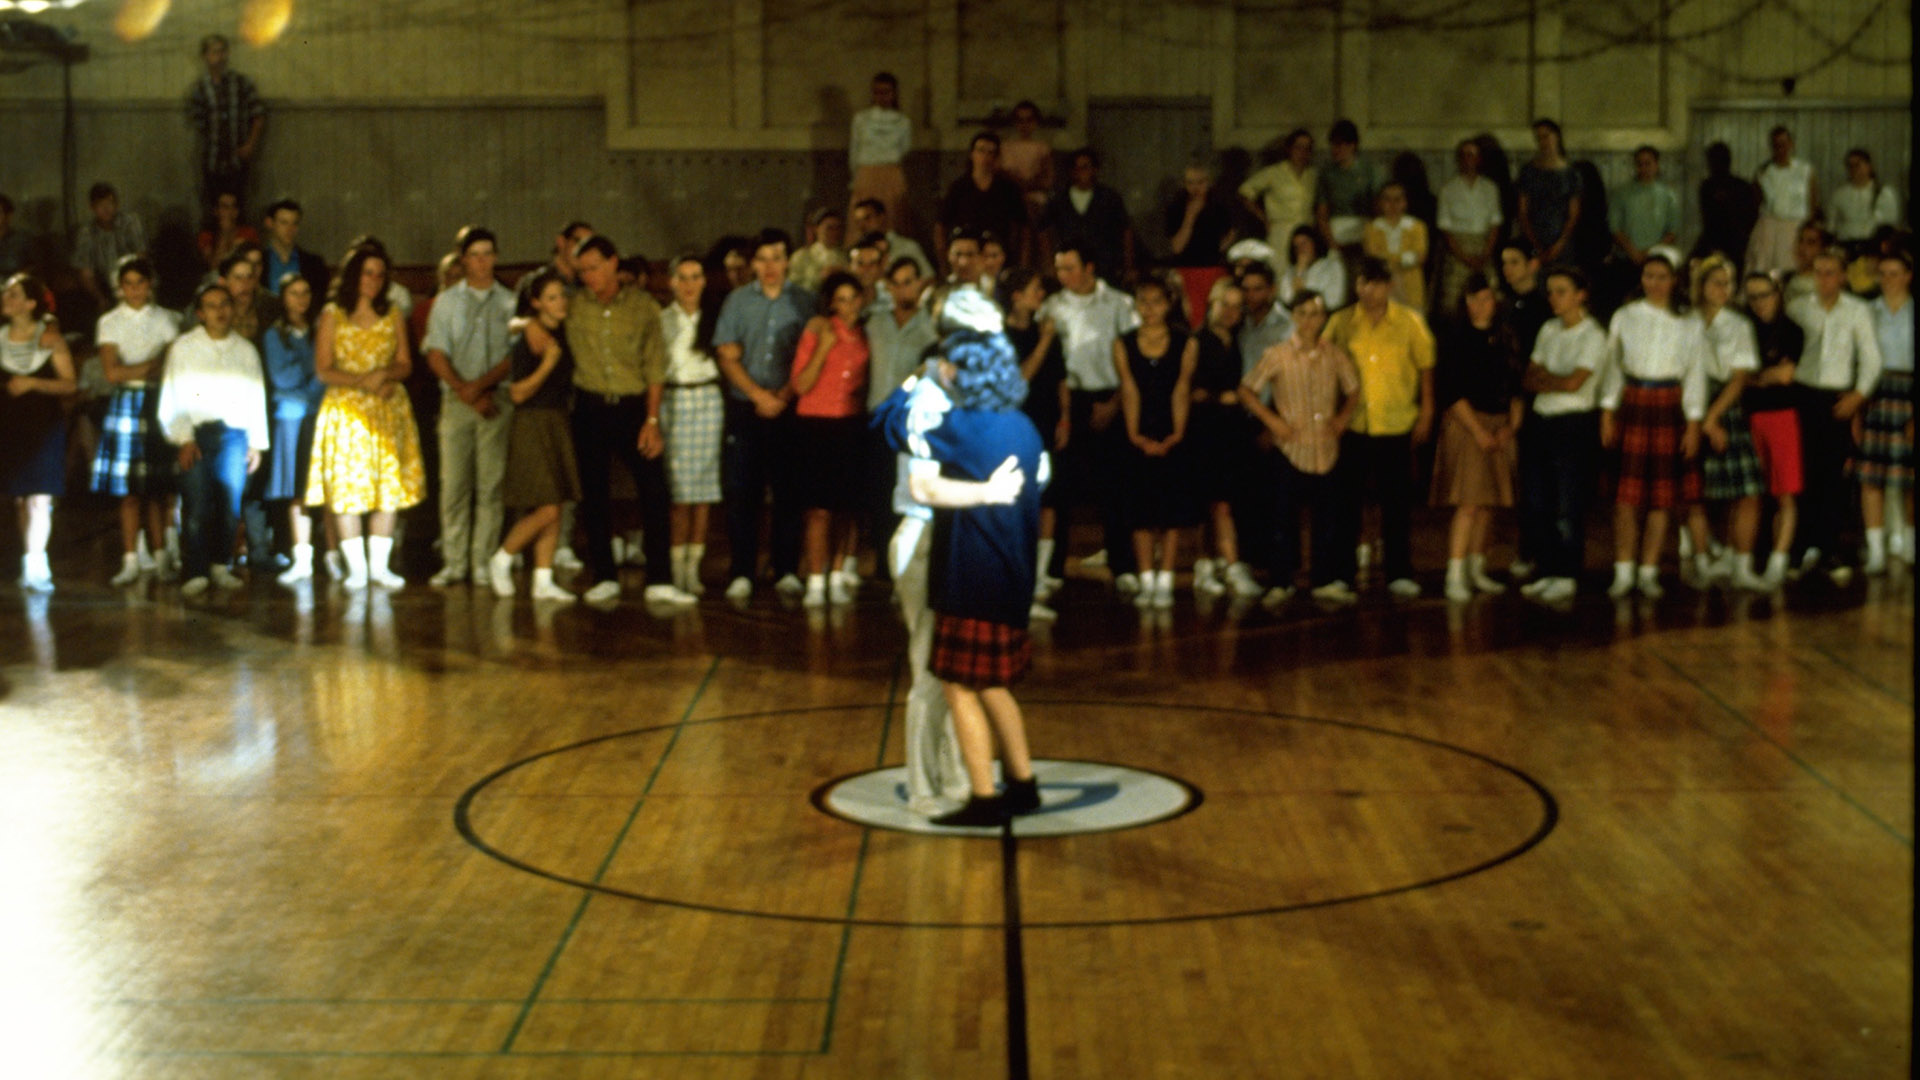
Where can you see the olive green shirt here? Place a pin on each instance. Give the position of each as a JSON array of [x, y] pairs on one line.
[[617, 346]]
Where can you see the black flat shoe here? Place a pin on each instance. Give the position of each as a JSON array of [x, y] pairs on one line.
[[977, 812], [1021, 796]]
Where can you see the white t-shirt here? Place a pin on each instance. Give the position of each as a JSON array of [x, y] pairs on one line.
[[1563, 350], [1786, 191], [1087, 327], [1731, 344]]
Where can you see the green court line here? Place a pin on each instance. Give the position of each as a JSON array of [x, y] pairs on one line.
[[566, 936], [1863, 676], [1804, 765], [859, 866]]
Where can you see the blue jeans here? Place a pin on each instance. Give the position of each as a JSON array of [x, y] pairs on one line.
[[1559, 467], [210, 498]]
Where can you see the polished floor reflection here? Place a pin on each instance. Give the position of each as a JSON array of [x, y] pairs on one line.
[[306, 833]]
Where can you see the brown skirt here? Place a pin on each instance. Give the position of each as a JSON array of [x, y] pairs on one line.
[[1464, 474], [540, 463]]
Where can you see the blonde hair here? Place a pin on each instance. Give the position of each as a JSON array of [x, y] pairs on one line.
[[1706, 268]]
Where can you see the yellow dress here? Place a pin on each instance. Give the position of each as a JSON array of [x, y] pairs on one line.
[[366, 446]]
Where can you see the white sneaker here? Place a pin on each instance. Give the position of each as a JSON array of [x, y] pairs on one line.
[[542, 590], [194, 587], [789, 585], [1776, 572], [1686, 543], [601, 592], [1647, 580], [1457, 589], [841, 586], [1336, 592], [224, 578], [1519, 569], [1622, 580], [1404, 588], [1126, 584], [1039, 612], [1745, 578], [1276, 596], [336, 565], [1535, 587], [565, 559], [129, 572], [1558, 591], [500, 574], [1240, 580], [664, 593], [740, 588], [448, 576], [1477, 576], [850, 571], [1203, 570], [1808, 562], [1096, 560], [816, 591]]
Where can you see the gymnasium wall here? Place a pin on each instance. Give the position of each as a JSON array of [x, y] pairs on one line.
[[664, 122]]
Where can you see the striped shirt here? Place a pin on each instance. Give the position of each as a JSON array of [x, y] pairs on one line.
[[223, 111], [1308, 383]]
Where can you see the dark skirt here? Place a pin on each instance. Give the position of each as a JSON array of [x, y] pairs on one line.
[[1733, 473], [828, 457], [1159, 491], [1653, 473], [978, 653], [1885, 457], [541, 470], [33, 445], [1220, 451]]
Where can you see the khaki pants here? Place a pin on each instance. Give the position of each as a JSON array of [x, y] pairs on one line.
[[473, 461]]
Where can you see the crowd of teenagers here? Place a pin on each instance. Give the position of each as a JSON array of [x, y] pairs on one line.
[[1288, 356]]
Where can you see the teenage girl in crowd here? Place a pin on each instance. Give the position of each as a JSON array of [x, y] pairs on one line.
[[541, 473], [1220, 444], [1772, 419], [1022, 291], [1652, 402], [830, 377], [1156, 363], [296, 391], [1884, 429], [692, 416], [1730, 469], [1479, 388], [37, 371], [133, 461]]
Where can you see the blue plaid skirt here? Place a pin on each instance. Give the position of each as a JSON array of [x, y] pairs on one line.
[[1733, 473], [693, 419], [134, 457]]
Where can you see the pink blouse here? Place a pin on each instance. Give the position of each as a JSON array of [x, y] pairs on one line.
[[841, 390]]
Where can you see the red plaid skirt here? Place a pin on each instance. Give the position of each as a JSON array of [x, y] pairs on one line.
[[1653, 473], [978, 653]]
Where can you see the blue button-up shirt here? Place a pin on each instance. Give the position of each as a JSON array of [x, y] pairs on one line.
[[766, 329]]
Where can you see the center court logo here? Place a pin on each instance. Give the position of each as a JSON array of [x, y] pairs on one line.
[[1075, 797]]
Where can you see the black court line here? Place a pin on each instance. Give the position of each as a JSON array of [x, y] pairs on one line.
[[1549, 820], [566, 936], [1017, 1055], [1803, 763], [1863, 676]]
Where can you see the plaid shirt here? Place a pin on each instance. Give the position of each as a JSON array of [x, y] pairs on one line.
[[223, 112]]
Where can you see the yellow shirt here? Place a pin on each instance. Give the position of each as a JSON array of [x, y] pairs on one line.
[[1390, 355], [617, 345], [1286, 196]]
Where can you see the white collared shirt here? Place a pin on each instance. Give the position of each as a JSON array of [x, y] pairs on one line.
[[880, 137], [1468, 208], [211, 381], [140, 334], [685, 364], [1842, 350], [1731, 344], [1651, 344], [1087, 327]]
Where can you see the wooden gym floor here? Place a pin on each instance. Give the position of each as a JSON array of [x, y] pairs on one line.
[[287, 834]]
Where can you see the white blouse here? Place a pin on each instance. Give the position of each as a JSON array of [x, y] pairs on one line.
[[1327, 276], [880, 137], [207, 381], [1731, 344], [685, 365], [1650, 344], [139, 335], [1468, 208], [1857, 211], [1787, 191]]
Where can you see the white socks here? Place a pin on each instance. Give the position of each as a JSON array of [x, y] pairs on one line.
[[355, 552], [302, 567], [1876, 551], [1622, 580]]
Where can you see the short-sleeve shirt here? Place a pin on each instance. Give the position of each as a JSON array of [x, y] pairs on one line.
[[1286, 196], [223, 111], [138, 335], [469, 326], [556, 392], [896, 351], [1307, 384], [98, 249], [1895, 332], [1348, 192], [840, 391], [767, 329], [1210, 228], [1549, 194], [1087, 327], [1645, 212], [1563, 350], [1390, 355], [1469, 209]]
